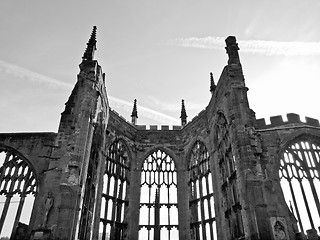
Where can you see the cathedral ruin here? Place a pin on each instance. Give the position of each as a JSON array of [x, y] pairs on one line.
[[224, 175]]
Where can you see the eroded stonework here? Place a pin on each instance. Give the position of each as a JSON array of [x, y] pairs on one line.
[[215, 177]]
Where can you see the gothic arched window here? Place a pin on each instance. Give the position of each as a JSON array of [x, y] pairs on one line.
[[18, 186], [202, 222], [299, 174], [114, 198], [158, 199]]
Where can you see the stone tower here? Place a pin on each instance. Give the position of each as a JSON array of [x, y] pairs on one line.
[[222, 175]]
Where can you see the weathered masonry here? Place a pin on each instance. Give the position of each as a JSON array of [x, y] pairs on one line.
[[224, 175]]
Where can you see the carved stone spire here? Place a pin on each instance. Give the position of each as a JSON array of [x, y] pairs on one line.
[[134, 115], [91, 45], [183, 114], [212, 84], [232, 50]]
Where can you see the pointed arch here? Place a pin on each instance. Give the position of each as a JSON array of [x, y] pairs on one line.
[[202, 218], [162, 148], [18, 185], [299, 173], [114, 195], [158, 197]]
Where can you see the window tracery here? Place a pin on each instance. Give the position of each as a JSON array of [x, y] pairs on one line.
[[158, 199], [114, 198], [299, 175], [202, 222], [18, 187]]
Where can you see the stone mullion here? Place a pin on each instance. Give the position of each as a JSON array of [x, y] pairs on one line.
[[18, 215], [5, 210], [306, 203], [295, 204], [114, 206], [106, 207], [313, 189], [204, 237], [8, 199], [119, 209], [8, 154], [149, 201], [306, 168], [209, 206], [313, 152]]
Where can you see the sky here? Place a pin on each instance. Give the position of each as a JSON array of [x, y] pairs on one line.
[[158, 52]]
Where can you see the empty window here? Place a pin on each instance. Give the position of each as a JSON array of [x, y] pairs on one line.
[[202, 222], [158, 200], [114, 199], [18, 186], [299, 173]]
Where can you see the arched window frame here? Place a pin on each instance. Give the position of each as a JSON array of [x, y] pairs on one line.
[[114, 195], [159, 182], [299, 172], [202, 222], [17, 176]]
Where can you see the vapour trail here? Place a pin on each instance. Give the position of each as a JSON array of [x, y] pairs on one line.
[[115, 103], [252, 46]]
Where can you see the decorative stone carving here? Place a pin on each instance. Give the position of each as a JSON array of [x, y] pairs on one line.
[[47, 207], [279, 228]]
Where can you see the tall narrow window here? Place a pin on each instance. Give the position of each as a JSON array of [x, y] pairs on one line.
[[202, 222], [114, 198], [158, 200], [18, 187], [230, 201], [299, 173]]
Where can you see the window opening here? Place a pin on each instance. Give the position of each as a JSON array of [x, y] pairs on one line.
[[202, 222], [114, 199], [18, 187], [299, 175], [158, 199]]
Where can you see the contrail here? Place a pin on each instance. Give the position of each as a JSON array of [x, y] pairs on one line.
[[142, 111], [116, 103], [32, 76], [252, 46]]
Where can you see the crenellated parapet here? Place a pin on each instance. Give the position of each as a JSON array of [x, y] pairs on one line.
[[293, 119]]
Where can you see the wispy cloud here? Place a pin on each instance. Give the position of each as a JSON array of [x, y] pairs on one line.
[[252, 46], [142, 111], [32, 76], [116, 103], [174, 107]]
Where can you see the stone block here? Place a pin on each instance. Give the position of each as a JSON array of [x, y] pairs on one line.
[[312, 122], [153, 127], [276, 120], [164, 127], [293, 118]]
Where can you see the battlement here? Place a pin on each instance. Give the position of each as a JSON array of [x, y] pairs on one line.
[[158, 128], [293, 118], [151, 127]]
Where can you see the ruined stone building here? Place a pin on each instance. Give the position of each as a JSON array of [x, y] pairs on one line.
[[224, 175]]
